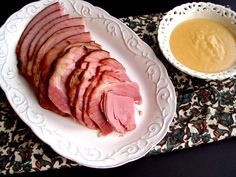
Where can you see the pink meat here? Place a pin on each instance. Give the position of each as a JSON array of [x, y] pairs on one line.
[[47, 46], [110, 81], [130, 89], [119, 111], [92, 59], [96, 115], [42, 32], [119, 75], [63, 68], [46, 64], [88, 82], [74, 78], [79, 44], [58, 49], [56, 27], [74, 81], [41, 15], [24, 47]]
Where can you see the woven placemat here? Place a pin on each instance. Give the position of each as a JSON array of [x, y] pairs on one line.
[[206, 112]]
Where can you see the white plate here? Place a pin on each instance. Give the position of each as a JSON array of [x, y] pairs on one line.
[[187, 11], [67, 137]]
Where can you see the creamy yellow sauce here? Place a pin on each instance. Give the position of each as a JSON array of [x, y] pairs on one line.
[[203, 45]]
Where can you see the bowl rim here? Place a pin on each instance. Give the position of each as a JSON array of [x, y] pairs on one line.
[[170, 16]]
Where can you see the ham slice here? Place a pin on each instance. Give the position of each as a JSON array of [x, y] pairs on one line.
[[97, 116], [89, 80], [92, 43], [72, 83], [49, 44], [75, 77], [119, 111], [130, 89], [47, 61], [63, 68], [58, 50], [56, 27], [42, 32], [24, 47], [40, 16], [79, 87], [116, 83]]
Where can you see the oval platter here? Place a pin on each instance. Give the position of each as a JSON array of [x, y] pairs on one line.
[[67, 137]]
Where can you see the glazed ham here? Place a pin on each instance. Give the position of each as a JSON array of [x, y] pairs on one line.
[[76, 75], [24, 47], [46, 65], [58, 49], [56, 27], [87, 67], [88, 80], [42, 32], [73, 76], [39, 17], [116, 83], [63, 67], [34, 66], [119, 111]]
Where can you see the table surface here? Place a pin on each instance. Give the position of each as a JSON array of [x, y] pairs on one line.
[[215, 159]]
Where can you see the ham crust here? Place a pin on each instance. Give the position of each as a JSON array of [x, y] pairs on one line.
[[62, 69], [34, 65], [22, 55], [77, 88], [42, 32], [47, 63], [88, 82], [40, 16]]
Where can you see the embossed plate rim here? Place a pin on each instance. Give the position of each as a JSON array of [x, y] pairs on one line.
[[15, 88]]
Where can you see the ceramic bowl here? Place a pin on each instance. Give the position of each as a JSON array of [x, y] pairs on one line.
[[188, 11]]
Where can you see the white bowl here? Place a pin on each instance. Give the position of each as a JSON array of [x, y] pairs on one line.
[[188, 11]]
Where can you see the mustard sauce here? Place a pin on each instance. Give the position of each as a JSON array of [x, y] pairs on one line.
[[203, 45]]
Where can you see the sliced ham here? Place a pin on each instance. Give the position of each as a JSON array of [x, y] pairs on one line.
[[119, 111], [63, 68], [120, 99], [47, 61], [60, 35], [79, 87], [24, 47], [56, 27], [40, 16], [76, 76], [130, 89], [72, 75], [115, 75], [95, 114], [105, 64], [72, 83], [42, 32], [58, 50], [110, 82], [88, 81], [79, 44]]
